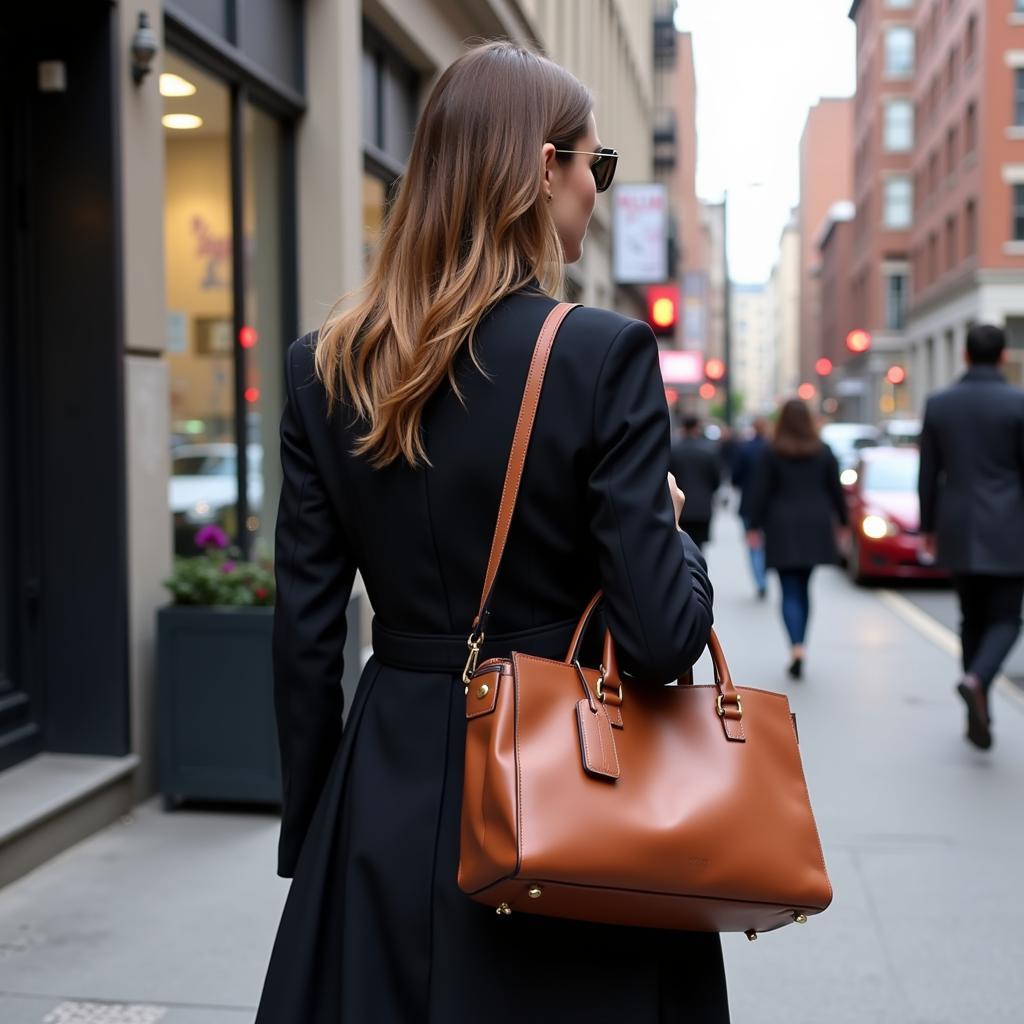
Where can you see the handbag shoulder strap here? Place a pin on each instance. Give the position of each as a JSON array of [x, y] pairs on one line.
[[516, 460]]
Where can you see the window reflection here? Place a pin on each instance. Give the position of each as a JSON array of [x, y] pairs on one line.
[[198, 270]]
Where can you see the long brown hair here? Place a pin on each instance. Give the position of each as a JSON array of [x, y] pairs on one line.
[[469, 225], [795, 432]]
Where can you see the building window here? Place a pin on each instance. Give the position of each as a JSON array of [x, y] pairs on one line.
[[970, 228], [933, 256], [951, 70], [950, 152], [895, 301], [899, 51], [933, 173], [898, 203], [950, 243], [970, 128], [1018, 213], [228, 319], [972, 38], [1018, 97], [899, 126]]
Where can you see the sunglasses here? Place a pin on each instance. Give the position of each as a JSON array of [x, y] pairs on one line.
[[603, 168]]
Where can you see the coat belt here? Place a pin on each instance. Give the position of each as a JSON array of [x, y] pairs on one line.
[[441, 652]]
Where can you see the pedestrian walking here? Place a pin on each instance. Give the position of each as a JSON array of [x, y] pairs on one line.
[[395, 441], [748, 458], [796, 504], [696, 465], [971, 487]]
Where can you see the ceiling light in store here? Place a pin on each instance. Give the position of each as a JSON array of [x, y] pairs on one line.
[[175, 85], [182, 121]]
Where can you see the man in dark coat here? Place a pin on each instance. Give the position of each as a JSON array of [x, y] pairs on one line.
[[971, 488], [695, 464]]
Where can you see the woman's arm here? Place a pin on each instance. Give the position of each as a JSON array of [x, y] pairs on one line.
[[658, 597], [314, 568]]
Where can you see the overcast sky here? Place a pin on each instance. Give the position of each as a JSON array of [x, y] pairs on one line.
[[761, 64]]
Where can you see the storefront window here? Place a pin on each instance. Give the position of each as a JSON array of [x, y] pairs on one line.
[[215, 335], [261, 336], [198, 269]]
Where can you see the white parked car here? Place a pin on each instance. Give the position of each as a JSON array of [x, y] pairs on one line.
[[204, 481]]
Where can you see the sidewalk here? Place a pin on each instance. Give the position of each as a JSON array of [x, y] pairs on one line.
[[170, 917]]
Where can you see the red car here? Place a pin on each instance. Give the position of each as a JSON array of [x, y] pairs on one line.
[[885, 517]]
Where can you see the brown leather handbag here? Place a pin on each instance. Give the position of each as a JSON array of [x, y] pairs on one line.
[[663, 806]]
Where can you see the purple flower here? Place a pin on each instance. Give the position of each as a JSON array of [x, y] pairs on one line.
[[227, 566], [212, 536]]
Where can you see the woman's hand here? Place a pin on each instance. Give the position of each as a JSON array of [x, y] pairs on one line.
[[755, 539], [678, 498]]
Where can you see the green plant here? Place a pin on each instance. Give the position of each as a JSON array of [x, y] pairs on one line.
[[217, 577]]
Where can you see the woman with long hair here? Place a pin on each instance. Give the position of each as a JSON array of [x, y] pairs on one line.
[[394, 445], [796, 503]]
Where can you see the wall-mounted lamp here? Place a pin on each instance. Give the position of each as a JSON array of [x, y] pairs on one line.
[[144, 47]]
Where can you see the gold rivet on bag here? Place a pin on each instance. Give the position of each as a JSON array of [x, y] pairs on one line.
[[800, 918], [534, 892], [751, 935], [503, 910], [482, 692]]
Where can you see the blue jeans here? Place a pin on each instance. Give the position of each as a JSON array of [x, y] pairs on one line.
[[757, 565], [796, 602]]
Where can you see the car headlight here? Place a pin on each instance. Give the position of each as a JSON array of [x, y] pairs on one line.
[[848, 477], [876, 527]]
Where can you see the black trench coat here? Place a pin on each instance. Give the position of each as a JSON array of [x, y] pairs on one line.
[[797, 501], [375, 929]]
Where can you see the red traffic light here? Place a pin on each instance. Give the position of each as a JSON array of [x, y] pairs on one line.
[[707, 391], [714, 369], [823, 367], [663, 308], [896, 375], [858, 341], [806, 391]]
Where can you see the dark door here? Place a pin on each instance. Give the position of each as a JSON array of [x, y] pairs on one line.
[[20, 703]]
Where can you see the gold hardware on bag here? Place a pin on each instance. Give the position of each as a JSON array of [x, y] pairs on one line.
[[600, 689], [534, 892], [751, 935], [482, 691], [720, 703], [474, 642], [799, 917], [503, 910]]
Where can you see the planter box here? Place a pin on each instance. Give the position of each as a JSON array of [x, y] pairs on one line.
[[217, 736]]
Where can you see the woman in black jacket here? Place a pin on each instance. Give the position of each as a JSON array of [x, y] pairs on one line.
[[797, 500], [394, 444]]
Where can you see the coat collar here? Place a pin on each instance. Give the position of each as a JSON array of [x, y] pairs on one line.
[[983, 373]]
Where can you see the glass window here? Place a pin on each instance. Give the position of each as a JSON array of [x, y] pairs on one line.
[[262, 336], [899, 51], [198, 278], [1018, 96], [899, 5], [225, 362], [899, 126], [898, 203], [970, 228], [892, 474], [896, 301], [971, 128], [1018, 213]]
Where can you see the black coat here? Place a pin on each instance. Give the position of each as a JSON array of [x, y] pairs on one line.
[[697, 466], [972, 474], [744, 471], [375, 928], [796, 501]]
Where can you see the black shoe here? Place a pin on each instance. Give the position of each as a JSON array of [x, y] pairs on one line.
[[796, 668], [978, 730]]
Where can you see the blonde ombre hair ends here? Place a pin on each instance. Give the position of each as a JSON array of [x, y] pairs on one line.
[[469, 225]]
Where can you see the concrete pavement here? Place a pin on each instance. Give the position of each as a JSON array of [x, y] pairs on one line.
[[170, 917]]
